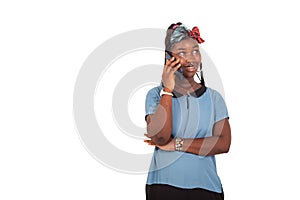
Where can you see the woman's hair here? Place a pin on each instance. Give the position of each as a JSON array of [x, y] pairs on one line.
[[178, 32]]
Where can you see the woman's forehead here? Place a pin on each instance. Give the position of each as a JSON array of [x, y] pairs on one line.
[[188, 43]]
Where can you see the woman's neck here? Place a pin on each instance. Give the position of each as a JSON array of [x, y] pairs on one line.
[[185, 82], [186, 85]]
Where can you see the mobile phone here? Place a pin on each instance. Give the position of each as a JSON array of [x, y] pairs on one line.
[[169, 55]]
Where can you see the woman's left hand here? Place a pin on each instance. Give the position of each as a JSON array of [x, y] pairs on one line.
[[168, 147]]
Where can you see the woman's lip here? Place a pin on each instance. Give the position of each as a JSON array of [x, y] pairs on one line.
[[190, 68]]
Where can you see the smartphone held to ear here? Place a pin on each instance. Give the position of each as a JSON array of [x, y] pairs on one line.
[[169, 55]]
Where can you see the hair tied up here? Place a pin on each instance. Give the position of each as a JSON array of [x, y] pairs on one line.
[[174, 26]]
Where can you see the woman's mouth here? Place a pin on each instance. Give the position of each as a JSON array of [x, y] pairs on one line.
[[190, 67]]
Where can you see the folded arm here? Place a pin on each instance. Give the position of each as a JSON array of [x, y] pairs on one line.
[[216, 144]]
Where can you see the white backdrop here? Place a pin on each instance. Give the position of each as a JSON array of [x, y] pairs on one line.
[[43, 45]]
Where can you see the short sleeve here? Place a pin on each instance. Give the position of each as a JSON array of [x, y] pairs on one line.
[[220, 108], [152, 100]]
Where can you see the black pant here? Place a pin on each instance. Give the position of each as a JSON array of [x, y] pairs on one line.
[[167, 192]]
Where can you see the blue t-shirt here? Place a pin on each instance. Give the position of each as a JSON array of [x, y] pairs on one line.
[[193, 117]]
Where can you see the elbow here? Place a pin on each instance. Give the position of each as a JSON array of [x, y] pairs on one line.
[[160, 138], [224, 149], [224, 145]]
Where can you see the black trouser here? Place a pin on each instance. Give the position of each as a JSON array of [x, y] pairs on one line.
[[167, 192]]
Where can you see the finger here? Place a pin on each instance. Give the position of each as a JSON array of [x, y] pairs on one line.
[[177, 67], [146, 141], [168, 63], [174, 62], [149, 142], [174, 69], [172, 65]]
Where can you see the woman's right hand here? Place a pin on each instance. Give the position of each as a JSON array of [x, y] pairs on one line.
[[168, 75]]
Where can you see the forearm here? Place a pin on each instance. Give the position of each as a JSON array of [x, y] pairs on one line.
[[159, 125], [218, 143], [206, 146]]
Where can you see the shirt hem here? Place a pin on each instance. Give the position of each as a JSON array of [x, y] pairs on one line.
[[188, 187]]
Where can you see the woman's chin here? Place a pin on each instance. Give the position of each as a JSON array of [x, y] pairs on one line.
[[189, 74]]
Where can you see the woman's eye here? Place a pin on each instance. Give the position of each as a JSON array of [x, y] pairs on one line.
[[196, 51], [181, 53]]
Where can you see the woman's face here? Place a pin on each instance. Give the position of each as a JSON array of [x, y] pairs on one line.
[[189, 52]]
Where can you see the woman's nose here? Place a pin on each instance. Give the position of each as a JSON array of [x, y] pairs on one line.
[[190, 57]]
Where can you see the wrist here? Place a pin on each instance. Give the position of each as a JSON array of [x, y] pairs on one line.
[[163, 93], [167, 89], [178, 144]]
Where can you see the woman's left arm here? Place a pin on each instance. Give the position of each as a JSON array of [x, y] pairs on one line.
[[216, 144], [209, 146]]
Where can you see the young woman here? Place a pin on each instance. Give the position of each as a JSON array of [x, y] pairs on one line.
[[188, 124]]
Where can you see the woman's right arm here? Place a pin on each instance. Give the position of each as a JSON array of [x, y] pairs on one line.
[[159, 124]]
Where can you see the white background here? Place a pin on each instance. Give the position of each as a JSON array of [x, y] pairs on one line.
[[254, 44]]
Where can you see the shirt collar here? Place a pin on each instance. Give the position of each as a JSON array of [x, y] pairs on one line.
[[197, 93]]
